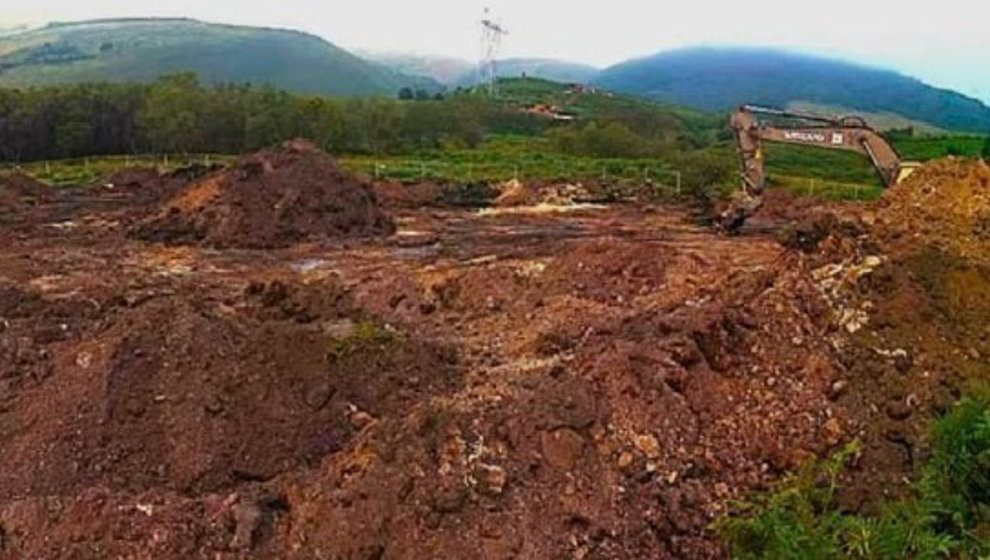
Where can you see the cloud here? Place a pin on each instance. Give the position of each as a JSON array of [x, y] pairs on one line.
[[942, 46]]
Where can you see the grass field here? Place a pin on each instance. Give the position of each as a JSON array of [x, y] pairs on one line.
[[828, 174], [499, 159]]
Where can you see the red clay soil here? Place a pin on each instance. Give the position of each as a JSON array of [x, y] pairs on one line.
[[271, 199], [594, 384], [395, 194]]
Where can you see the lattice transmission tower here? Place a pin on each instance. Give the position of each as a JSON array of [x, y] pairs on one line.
[[492, 33]]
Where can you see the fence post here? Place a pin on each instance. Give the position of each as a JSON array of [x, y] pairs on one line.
[[422, 171], [604, 173], [646, 174], [677, 174], [811, 187], [515, 172]]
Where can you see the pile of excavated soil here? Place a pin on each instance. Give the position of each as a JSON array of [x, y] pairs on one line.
[[17, 189], [270, 199], [194, 391], [395, 194], [910, 293], [944, 205]]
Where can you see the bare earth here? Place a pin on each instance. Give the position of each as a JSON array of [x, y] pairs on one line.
[[601, 382]]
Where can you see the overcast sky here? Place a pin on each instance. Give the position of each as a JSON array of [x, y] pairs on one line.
[[947, 46]]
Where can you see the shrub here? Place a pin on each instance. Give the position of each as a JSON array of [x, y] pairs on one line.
[[948, 516]]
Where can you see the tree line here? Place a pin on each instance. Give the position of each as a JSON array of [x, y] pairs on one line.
[[178, 114]]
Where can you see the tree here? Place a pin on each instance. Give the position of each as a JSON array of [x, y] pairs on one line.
[[985, 152], [170, 113], [406, 94]]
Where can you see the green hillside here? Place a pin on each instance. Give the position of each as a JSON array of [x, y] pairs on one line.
[[718, 79], [544, 68], [460, 72], [141, 50], [446, 70]]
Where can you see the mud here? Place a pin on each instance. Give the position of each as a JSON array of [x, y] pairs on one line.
[[597, 383], [272, 199]]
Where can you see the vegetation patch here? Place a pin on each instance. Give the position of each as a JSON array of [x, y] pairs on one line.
[[948, 516]]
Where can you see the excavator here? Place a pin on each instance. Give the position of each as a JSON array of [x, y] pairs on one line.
[[845, 133]]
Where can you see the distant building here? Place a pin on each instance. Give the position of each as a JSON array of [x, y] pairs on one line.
[[551, 112]]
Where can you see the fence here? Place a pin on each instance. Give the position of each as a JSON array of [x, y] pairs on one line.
[[546, 170], [634, 174], [86, 170], [831, 190]]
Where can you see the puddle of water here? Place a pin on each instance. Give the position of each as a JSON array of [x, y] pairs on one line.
[[308, 265], [542, 208]]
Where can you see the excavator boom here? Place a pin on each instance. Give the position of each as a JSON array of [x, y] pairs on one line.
[[847, 133]]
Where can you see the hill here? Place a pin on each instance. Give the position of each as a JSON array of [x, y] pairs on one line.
[[459, 72], [881, 121], [544, 68], [141, 50], [446, 70], [718, 79]]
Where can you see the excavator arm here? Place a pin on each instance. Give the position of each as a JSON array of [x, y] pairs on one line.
[[848, 133]]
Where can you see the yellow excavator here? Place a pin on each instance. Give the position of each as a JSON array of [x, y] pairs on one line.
[[792, 127]]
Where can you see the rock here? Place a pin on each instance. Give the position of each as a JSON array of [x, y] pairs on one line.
[[647, 445], [247, 520], [898, 410], [626, 460], [214, 405], [319, 394], [491, 479], [449, 498], [360, 419], [872, 261], [836, 390], [84, 359], [562, 447], [903, 362], [833, 431]]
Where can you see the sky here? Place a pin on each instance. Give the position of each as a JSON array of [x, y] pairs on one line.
[[946, 47]]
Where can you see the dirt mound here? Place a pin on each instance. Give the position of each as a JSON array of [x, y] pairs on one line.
[[194, 391], [395, 194], [516, 193], [945, 205], [17, 189], [270, 199]]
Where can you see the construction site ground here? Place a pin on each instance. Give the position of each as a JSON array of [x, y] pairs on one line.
[[573, 381]]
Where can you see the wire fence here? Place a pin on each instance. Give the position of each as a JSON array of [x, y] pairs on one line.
[[87, 170], [634, 174], [830, 190], [547, 170]]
